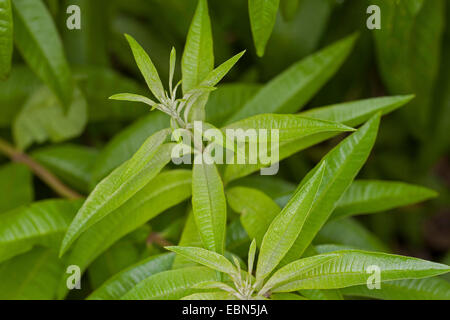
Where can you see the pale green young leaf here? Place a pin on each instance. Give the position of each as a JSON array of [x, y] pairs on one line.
[[172, 284], [172, 63], [16, 186], [263, 14], [293, 88], [120, 185], [117, 286], [6, 38], [287, 225], [209, 206], [134, 98], [205, 257], [37, 40], [147, 68], [352, 267], [251, 256]]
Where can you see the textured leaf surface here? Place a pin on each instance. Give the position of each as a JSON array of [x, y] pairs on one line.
[[263, 14]]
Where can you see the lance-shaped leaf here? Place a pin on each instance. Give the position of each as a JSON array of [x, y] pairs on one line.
[[256, 208], [207, 258], [166, 190], [285, 228], [38, 41], [16, 186], [42, 223], [198, 56], [209, 206], [344, 163], [292, 89], [295, 270], [369, 196], [412, 289], [171, 285], [117, 286], [354, 267], [120, 185], [134, 98], [349, 113], [147, 68], [31, 276], [6, 38], [263, 14]]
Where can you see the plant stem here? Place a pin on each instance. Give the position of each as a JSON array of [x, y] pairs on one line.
[[155, 237], [49, 178]]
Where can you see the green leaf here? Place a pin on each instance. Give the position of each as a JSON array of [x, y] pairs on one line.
[[134, 98], [351, 267], [370, 196], [215, 295], [198, 56], [31, 276], [313, 294], [147, 68], [119, 285], [414, 289], [122, 146], [43, 118], [37, 39], [251, 256], [41, 223], [289, 8], [166, 190], [171, 285], [72, 163], [121, 185], [293, 88], [287, 296], [287, 225], [256, 208], [344, 163], [263, 14], [16, 186], [6, 38], [209, 206], [207, 258]]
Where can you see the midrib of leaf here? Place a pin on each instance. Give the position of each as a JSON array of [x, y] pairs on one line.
[[209, 199]]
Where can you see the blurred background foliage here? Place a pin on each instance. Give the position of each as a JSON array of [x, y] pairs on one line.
[[82, 144]]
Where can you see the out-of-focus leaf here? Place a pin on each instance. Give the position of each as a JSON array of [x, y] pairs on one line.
[[408, 51], [209, 206], [43, 118], [16, 186], [263, 14], [121, 185], [172, 284], [414, 289], [292, 89], [41, 223], [31, 276], [122, 282], [289, 8], [6, 38], [369, 196], [38, 41], [349, 232], [72, 163], [166, 190]]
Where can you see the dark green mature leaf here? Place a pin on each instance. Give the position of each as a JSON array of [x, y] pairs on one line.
[[166, 190], [292, 89], [31, 276], [43, 118], [171, 285], [289, 8], [414, 289], [121, 185], [38, 41], [41, 223], [16, 186], [72, 163], [408, 51], [263, 14], [343, 164], [209, 206], [121, 283], [6, 38], [351, 268], [370, 196], [122, 146], [287, 225]]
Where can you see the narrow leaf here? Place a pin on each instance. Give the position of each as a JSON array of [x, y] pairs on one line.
[[6, 38], [134, 98]]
